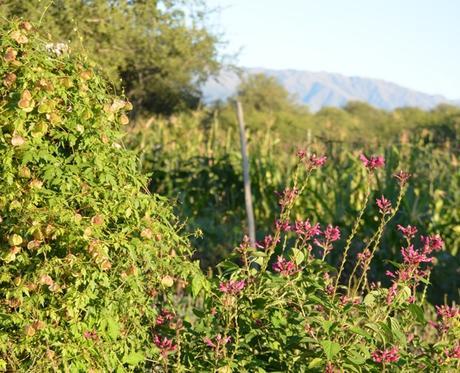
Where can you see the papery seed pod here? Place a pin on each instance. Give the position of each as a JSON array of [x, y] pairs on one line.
[[10, 55], [86, 75], [34, 244], [36, 184], [97, 220], [124, 120], [38, 325], [46, 280], [106, 265], [19, 37], [26, 26], [50, 354], [15, 240], [29, 330], [9, 79], [17, 140], [146, 233], [24, 172]]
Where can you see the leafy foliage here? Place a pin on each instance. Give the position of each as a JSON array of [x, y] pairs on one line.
[[86, 252], [158, 51]]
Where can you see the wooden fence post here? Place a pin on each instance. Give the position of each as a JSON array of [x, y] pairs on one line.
[[246, 179]]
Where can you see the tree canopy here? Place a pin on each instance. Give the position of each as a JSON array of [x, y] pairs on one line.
[[157, 50]]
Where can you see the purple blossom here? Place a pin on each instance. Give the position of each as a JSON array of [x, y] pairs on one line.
[[372, 162], [164, 344], [402, 177], [285, 267], [232, 287], [409, 232], [390, 355], [306, 229], [431, 243], [413, 257], [384, 205]]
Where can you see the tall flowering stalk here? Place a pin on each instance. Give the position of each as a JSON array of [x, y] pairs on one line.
[[289, 196], [370, 164]]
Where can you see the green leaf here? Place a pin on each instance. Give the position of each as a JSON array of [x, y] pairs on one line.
[[297, 255], [360, 331], [316, 362], [330, 348], [133, 358], [113, 328], [417, 312]]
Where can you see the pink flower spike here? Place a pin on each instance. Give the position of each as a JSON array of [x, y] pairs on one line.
[[316, 162], [386, 356], [431, 243], [413, 257], [402, 177], [384, 205], [232, 287], [284, 267], [208, 342], [332, 233], [390, 274], [372, 162], [447, 312], [165, 345], [409, 232]]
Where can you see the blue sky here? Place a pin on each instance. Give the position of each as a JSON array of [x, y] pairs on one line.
[[414, 43]]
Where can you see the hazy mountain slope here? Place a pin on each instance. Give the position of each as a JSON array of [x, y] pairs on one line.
[[319, 89]]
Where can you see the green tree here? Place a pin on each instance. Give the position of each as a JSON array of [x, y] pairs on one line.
[[159, 51]]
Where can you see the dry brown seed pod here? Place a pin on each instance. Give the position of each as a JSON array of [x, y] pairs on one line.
[[36, 184], [10, 54], [86, 75], [29, 331], [26, 26], [9, 80], [97, 220], [146, 233]]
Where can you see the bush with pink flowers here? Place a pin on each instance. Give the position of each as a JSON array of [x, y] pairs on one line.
[[279, 306]]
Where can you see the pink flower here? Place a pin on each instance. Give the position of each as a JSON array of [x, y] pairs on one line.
[[284, 267], [364, 256], [413, 257], [316, 162], [447, 312], [164, 316], [402, 177], [165, 345], [390, 274], [454, 353], [287, 196], [283, 226], [431, 243], [384, 205], [231, 287], [306, 229], [386, 356], [392, 291], [332, 233], [409, 232], [372, 162], [219, 341], [268, 242]]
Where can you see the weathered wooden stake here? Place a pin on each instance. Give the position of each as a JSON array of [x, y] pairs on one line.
[[247, 181]]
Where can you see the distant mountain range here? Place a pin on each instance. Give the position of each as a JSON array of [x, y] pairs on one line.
[[320, 89]]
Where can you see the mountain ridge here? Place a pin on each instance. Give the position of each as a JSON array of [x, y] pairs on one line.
[[322, 89]]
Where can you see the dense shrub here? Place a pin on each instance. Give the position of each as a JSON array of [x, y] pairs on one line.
[[86, 251], [278, 305]]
